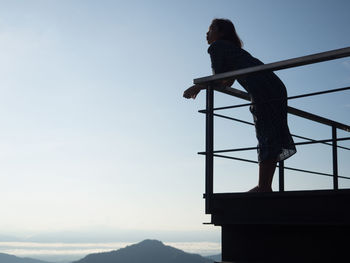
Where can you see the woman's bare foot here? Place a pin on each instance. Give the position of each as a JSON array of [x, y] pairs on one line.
[[254, 190], [265, 190], [258, 189]]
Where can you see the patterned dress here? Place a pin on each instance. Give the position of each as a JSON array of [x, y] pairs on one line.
[[268, 94]]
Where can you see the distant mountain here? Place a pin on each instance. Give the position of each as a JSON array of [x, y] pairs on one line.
[[6, 258], [147, 251]]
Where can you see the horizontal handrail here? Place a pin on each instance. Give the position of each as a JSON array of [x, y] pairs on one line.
[[252, 124], [284, 64], [300, 113], [285, 167], [296, 144], [289, 98], [319, 119]]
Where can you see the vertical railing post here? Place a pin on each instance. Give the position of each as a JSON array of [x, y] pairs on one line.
[[209, 148], [335, 158], [281, 176]]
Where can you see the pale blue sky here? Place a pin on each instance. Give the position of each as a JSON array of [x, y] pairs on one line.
[[95, 133]]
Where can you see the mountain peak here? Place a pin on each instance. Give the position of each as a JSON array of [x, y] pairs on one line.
[[150, 242], [147, 251]]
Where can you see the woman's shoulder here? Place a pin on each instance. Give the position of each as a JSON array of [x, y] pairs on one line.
[[222, 45]]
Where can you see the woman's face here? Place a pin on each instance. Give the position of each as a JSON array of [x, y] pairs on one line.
[[212, 34]]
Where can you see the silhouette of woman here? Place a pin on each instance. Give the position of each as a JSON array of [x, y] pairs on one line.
[[266, 91]]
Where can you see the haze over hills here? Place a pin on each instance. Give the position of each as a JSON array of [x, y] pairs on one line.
[[6, 258], [147, 251], [144, 252]]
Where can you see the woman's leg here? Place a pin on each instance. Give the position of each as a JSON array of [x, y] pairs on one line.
[[266, 171]]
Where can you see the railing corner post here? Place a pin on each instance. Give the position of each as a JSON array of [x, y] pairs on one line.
[[209, 145], [281, 175], [335, 157]]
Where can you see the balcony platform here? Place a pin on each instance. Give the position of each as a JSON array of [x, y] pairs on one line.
[[294, 207], [296, 226]]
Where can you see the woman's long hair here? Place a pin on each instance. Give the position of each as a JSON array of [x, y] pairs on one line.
[[228, 31]]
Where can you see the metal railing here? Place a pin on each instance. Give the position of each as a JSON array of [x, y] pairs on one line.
[[211, 85]]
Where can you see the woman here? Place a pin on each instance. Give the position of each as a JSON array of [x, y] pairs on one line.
[[268, 95]]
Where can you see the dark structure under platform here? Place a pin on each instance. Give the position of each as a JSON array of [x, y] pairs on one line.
[[303, 226]]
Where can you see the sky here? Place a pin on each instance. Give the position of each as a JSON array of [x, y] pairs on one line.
[[95, 135]]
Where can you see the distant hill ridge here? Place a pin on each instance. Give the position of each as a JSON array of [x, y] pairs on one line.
[[147, 251], [6, 258]]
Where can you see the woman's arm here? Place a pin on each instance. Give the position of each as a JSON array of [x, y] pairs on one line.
[[217, 56], [193, 91]]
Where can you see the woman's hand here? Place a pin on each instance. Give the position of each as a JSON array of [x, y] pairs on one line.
[[192, 91]]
